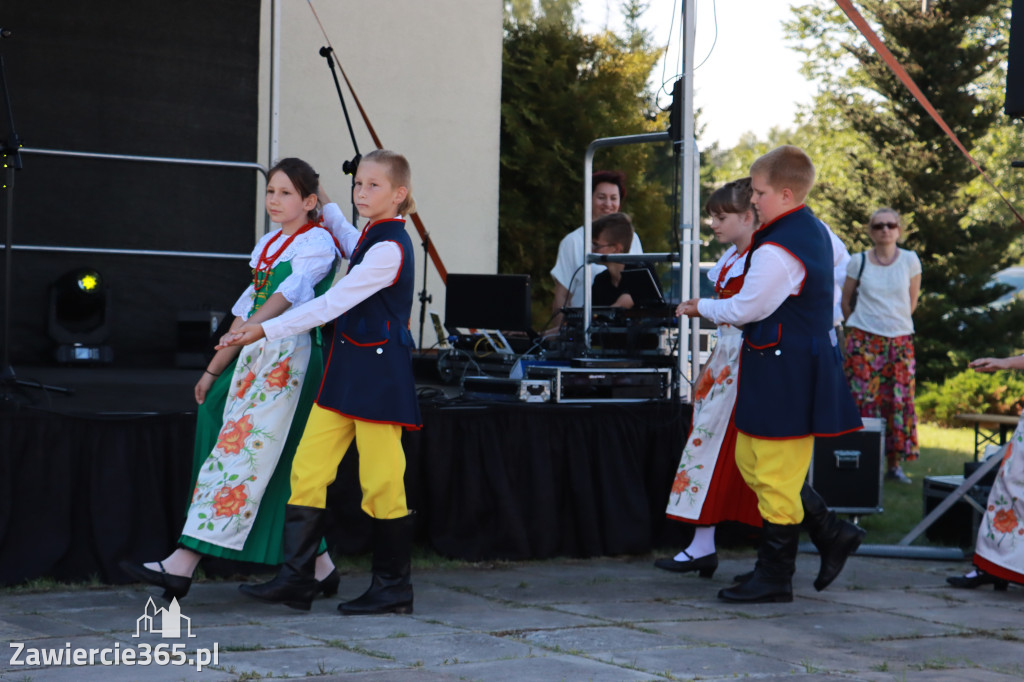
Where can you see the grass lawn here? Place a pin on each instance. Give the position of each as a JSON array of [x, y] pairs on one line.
[[943, 452]]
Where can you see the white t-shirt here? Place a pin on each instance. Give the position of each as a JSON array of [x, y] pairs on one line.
[[568, 270], [883, 295], [840, 258]]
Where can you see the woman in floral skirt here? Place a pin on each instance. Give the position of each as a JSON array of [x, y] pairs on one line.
[[999, 551], [253, 401], [880, 336]]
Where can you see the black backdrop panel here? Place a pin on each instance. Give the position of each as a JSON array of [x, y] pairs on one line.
[[132, 77]]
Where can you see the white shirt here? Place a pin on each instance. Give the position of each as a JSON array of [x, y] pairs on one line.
[[568, 270], [840, 259], [883, 295], [377, 270], [781, 276], [774, 275], [311, 254]]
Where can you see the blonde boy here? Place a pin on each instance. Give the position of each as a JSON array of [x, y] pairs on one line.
[[791, 385]]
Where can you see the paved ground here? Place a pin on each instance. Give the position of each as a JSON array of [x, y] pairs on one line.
[[601, 619]]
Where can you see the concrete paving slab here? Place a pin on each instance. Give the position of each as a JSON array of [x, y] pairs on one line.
[[960, 652], [414, 675], [971, 616], [22, 626], [701, 662], [106, 674], [451, 649], [303, 662], [550, 669], [595, 640], [365, 628]]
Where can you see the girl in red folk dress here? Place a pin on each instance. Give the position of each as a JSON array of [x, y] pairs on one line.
[[708, 488], [254, 401]]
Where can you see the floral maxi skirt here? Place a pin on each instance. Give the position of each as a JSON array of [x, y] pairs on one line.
[[264, 394], [880, 370]]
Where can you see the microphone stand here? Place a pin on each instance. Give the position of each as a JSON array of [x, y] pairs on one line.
[[425, 297], [347, 167], [10, 150]]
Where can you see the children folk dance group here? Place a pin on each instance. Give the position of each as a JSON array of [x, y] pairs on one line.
[[278, 410]]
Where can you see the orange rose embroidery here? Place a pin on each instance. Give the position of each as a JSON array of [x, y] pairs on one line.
[[278, 378], [704, 385], [723, 375], [245, 384], [681, 483], [1005, 521], [232, 437], [228, 501]]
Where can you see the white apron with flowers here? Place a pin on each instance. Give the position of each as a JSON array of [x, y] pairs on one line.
[[713, 402], [265, 389], [1001, 534]]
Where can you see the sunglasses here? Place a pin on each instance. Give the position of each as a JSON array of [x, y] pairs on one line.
[[879, 226]]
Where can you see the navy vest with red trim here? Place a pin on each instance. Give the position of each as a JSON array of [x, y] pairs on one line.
[[369, 367], [791, 368]]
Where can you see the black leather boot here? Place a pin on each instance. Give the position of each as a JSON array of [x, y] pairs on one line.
[[390, 588], [295, 584], [835, 538], [773, 575]]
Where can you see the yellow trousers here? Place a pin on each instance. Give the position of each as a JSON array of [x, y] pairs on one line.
[[775, 470], [325, 440]]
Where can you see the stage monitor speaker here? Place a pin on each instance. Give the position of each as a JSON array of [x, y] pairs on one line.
[[847, 470], [1014, 106]]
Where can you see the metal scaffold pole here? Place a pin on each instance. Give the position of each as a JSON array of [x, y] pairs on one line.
[[689, 213]]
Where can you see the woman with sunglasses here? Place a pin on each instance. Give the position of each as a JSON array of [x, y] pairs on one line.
[[880, 336]]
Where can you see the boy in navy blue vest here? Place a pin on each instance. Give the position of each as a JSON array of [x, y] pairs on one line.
[[368, 394], [791, 383]]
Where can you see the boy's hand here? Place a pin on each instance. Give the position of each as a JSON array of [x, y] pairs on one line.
[[243, 336], [688, 308]]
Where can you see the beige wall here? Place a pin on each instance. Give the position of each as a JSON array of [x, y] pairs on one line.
[[428, 73]]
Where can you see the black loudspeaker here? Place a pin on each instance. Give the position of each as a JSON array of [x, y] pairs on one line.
[[847, 470], [1015, 63]]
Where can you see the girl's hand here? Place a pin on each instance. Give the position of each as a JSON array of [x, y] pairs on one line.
[[203, 387], [988, 364]]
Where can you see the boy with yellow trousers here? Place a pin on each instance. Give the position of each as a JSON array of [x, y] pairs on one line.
[[791, 382]]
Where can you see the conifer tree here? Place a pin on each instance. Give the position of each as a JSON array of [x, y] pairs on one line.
[[876, 146]]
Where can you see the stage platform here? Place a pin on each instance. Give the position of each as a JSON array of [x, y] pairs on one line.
[[102, 475]]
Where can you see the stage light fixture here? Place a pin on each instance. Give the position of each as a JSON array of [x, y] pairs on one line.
[[79, 317]]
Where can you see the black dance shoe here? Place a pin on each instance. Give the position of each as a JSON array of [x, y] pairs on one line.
[[329, 585], [981, 578], [706, 565], [174, 585]]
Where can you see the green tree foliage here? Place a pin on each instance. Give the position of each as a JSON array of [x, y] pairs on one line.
[[562, 89], [876, 146], [970, 392]]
